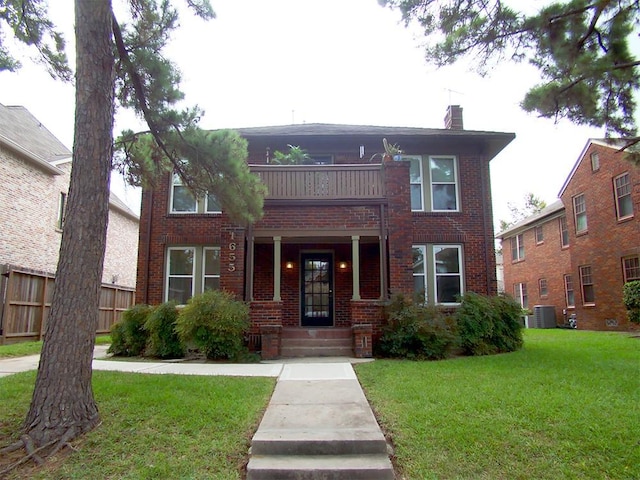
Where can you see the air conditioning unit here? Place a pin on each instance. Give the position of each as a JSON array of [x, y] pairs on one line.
[[544, 316]]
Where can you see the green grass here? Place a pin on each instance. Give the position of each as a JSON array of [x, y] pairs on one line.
[[565, 406], [33, 348], [154, 426]]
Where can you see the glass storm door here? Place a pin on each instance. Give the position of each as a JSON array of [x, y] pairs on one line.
[[317, 290]]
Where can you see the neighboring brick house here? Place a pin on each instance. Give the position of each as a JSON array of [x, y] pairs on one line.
[[577, 253], [338, 237], [35, 168]]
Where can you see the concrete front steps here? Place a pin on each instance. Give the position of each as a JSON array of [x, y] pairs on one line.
[[319, 425], [316, 342]]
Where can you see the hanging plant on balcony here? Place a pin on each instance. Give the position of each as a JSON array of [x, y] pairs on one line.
[[390, 150], [295, 156]]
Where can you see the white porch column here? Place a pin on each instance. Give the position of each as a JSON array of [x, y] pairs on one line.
[[277, 255], [355, 260]]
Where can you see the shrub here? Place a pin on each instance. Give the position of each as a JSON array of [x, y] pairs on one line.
[[163, 342], [489, 325], [216, 324], [416, 331], [631, 299], [128, 336]]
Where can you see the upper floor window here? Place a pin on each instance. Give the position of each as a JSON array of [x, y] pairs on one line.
[[595, 162], [415, 179], [568, 291], [580, 213], [539, 234], [182, 200], [62, 208], [564, 232], [517, 248], [520, 294], [631, 268], [444, 185], [622, 188], [434, 183], [586, 283]]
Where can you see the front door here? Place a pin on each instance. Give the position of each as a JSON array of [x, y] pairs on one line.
[[317, 290]]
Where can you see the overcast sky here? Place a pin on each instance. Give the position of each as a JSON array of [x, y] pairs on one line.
[[332, 61]]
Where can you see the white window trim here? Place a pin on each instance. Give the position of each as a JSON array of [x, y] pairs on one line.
[[582, 284], [582, 212], [519, 290], [425, 270], [617, 197], [204, 270], [455, 183], [562, 230], [206, 206], [63, 198], [420, 162], [519, 243], [460, 273], [566, 291], [172, 188], [168, 272]]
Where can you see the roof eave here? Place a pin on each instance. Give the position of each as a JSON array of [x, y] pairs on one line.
[[31, 157]]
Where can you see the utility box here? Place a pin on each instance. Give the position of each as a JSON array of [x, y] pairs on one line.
[[544, 316]]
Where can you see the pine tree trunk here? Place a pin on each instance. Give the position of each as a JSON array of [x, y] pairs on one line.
[[63, 405]]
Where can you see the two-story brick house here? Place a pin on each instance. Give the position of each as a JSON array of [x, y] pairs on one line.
[[338, 236], [577, 253], [35, 167]]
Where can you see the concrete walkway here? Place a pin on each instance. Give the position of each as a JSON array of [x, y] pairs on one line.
[[318, 424]]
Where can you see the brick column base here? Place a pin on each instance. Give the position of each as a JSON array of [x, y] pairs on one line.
[[362, 340], [270, 341]]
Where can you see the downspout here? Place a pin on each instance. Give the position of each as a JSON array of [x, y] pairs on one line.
[[384, 267]]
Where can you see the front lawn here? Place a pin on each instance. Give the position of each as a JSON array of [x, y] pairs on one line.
[[22, 349], [154, 426], [565, 406]]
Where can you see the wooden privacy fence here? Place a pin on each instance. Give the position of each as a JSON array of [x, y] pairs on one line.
[[26, 302]]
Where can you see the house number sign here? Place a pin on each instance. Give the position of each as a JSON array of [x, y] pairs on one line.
[[232, 253]]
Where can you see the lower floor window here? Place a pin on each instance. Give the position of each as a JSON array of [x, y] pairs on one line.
[[586, 282], [191, 270], [568, 291], [438, 273], [631, 268], [520, 294]]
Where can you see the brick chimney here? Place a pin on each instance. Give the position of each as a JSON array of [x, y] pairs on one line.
[[453, 118]]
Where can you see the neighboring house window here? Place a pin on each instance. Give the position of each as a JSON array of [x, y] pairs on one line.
[[444, 189], [568, 291], [316, 159], [420, 272], [211, 204], [631, 268], [595, 162], [520, 294], [580, 212], [517, 248], [182, 200], [542, 287], [586, 284], [624, 204], [448, 262], [180, 274], [539, 234], [443, 264], [62, 208], [564, 232], [211, 269], [415, 175]]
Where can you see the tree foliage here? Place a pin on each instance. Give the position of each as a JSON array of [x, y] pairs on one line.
[[580, 47], [530, 206]]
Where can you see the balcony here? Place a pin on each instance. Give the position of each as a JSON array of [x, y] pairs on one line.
[[321, 182]]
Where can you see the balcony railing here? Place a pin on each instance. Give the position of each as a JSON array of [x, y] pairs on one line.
[[321, 182]]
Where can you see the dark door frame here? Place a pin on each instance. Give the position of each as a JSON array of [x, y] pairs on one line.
[[317, 304]]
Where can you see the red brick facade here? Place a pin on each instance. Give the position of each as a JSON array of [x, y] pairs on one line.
[[602, 247], [373, 233]]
